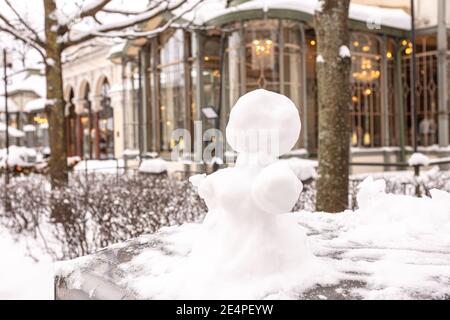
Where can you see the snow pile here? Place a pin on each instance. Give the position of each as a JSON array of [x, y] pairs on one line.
[[130, 153], [387, 218], [344, 52], [21, 276], [418, 159], [153, 166], [18, 156]]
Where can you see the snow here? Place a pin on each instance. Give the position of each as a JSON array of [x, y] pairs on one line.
[[17, 156], [13, 132], [131, 153], [395, 246], [418, 159], [29, 128], [153, 166], [51, 62], [344, 52], [27, 80], [35, 105], [100, 166], [21, 276], [320, 59], [390, 17], [12, 106]]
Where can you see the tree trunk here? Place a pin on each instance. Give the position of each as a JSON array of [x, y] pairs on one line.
[[333, 77], [55, 104]]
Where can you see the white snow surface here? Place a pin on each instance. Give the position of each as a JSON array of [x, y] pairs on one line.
[[389, 17], [100, 166], [17, 156], [23, 276], [397, 245], [418, 159], [344, 52], [153, 166]]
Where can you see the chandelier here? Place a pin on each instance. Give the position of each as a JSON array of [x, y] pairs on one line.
[[263, 47], [366, 72]]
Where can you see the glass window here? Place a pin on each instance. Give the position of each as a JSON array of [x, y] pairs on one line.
[[172, 87], [106, 124], [262, 55], [366, 117]]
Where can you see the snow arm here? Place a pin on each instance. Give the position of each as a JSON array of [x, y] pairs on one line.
[[276, 189]]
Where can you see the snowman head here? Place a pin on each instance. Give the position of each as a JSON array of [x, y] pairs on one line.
[[263, 122]]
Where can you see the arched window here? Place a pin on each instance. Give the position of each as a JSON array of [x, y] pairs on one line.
[[106, 124], [87, 132]]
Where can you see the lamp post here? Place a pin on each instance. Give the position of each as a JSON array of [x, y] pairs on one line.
[[413, 81], [6, 64]]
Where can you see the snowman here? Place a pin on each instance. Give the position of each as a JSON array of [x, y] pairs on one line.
[[248, 233]]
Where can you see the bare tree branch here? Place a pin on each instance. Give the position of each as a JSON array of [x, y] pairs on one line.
[[18, 36], [104, 29], [91, 8], [148, 34], [25, 24]]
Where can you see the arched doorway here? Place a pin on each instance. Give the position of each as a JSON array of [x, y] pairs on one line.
[[105, 125]]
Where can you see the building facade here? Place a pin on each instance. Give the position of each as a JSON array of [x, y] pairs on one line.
[[129, 97]]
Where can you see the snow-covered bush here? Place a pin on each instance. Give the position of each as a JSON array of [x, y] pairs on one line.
[[97, 210]]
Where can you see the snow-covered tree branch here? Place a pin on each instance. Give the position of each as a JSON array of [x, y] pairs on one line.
[[72, 23]]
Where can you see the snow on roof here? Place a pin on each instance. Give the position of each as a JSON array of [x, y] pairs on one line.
[[27, 80], [118, 48], [13, 132], [390, 17], [35, 105]]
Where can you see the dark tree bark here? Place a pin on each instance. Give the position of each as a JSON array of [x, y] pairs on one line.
[[55, 96], [333, 77]]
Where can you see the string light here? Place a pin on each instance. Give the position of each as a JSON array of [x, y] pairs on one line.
[[389, 55], [312, 42]]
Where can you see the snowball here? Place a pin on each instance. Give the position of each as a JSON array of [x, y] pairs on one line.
[[263, 121], [153, 166], [344, 52], [417, 159], [320, 59], [276, 189]]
